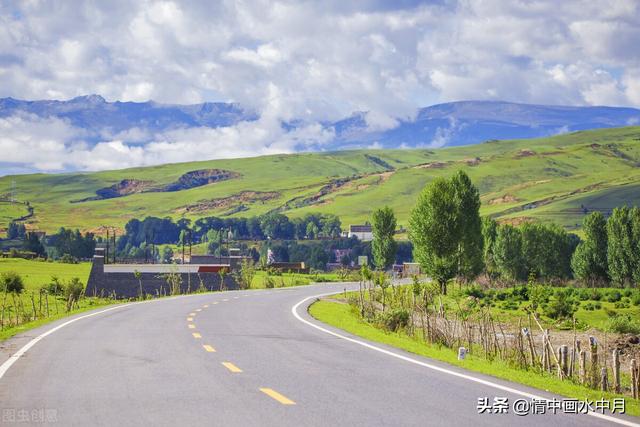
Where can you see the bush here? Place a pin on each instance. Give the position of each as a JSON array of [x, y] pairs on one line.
[[596, 295], [68, 259], [635, 300], [583, 294], [11, 282], [474, 291], [501, 296], [539, 296], [73, 291], [510, 305], [55, 287], [623, 324], [614, 296], [589, 306], [627, 292], [561, 307], [520, 293], [621, 304], [395, 319], [269, 282]]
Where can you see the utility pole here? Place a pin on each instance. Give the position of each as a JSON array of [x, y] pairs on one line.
[[106, 258]]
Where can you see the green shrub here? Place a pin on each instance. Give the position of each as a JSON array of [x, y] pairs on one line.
[[614, 296], [510, 305], [539, 296], [501, 295], [520, 293], [589, 306], [55, 287], [560, 307], [269, 282], [623, 324], [583, 294], [627, 292], [635, 300], [597, 305], [595, 294], [473, 291], [395, 319], [11, 282], [621, 304]]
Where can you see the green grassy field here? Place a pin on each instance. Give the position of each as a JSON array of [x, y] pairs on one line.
[[37, 273], [341, 316], [551, 179]]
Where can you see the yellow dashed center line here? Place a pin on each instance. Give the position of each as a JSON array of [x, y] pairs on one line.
[[230, 366], [215, 302], [206, 306], [236, 297], [192, 314], [198, 309], [277, 396], [189, 319], [209, 348], [192, 326], [196, 335], [225, 300]]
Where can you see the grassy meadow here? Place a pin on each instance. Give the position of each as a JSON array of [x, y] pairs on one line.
[[550, 179]]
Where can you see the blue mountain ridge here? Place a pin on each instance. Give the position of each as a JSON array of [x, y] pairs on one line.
[[448, 124]]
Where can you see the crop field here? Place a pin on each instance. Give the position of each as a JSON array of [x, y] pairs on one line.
[[557, 179]]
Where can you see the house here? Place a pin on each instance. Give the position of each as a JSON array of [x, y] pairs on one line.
[[361, 232]]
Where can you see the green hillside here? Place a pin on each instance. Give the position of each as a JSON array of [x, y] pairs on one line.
[[551, 179]]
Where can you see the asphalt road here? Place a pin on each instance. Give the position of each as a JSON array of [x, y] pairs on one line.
[[245, 360]]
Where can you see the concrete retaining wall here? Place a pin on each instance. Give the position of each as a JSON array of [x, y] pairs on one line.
[[120, 280]]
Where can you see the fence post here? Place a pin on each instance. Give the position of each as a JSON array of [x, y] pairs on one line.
[[604, 383], [616, 371], [595, 377], [582, 357], [634, 378]]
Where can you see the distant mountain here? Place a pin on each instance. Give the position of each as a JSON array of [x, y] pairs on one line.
[[472, 122], [94, 114], [450, 124]]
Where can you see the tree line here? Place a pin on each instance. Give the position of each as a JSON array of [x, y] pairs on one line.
[[451, 240]]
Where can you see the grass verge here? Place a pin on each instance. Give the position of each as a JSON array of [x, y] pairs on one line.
[[341, 316], [91, 304]]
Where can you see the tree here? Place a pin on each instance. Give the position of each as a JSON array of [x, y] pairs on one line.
[[16, 230], [33, 244], [434, 230], [470, 245], [546, 251], [589, 261], [167, 255], [383, 246], [489, 234], [507, 252], [620, 256]]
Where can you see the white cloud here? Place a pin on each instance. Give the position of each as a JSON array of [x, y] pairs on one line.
[[315, 60], [52, 144]]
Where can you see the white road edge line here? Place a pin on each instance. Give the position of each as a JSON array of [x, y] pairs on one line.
[[18, 354], [294, 311]]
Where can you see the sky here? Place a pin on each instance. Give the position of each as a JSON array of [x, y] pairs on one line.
[[303, 60]]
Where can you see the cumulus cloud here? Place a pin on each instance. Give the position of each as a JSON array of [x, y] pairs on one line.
[[313, 61], [52, 144]]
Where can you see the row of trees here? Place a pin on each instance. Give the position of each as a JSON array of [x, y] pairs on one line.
[[273, 226], [611, 249], [451, 240]]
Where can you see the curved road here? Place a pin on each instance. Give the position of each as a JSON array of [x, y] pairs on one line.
[[238, 358]]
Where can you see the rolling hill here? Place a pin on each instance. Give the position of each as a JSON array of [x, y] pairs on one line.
[[550, 179]]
